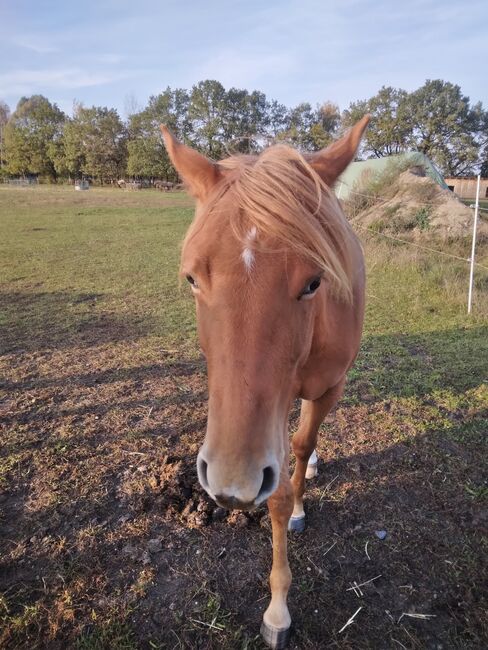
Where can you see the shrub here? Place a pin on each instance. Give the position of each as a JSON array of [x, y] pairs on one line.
[[422, 218], [403, 222]]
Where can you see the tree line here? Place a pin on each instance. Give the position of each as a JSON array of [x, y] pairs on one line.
[[37, 138]]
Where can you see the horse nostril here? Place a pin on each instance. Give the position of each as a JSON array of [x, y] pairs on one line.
[[202, 472], [267, 484]]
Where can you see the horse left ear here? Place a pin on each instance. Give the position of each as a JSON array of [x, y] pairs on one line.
[[333, 160], [198, 172]]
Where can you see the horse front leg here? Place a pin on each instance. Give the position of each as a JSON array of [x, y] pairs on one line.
[[275, 628], [304, 441]]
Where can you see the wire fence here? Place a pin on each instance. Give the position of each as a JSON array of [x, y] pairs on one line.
[[425, 248], [376, 199], [381, 200]]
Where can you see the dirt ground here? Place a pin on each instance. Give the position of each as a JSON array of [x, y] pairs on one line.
[[108, 541]]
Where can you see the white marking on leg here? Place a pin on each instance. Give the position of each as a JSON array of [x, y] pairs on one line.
[[277, 617], [298, 511], [312, 466]]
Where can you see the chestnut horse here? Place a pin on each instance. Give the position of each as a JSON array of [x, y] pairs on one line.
[[278, 279]]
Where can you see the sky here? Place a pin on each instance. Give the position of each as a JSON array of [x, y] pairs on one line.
[[117, 54]]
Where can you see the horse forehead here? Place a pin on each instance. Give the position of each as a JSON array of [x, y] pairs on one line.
[[247, 253], [226, 252]]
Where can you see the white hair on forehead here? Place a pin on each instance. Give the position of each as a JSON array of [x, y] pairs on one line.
[[248, 254]]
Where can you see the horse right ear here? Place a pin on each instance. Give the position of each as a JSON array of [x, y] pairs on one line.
[[333, 160], [198, 172]]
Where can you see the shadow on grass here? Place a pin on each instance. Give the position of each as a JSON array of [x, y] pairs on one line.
[[36, 321], [406, 365], [153, 371]]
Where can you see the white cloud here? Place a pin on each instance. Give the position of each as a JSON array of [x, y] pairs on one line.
[[33, 43], [245, 69], [110, 59], [21, 82]]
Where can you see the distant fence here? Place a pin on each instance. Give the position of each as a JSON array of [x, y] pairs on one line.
[[21, 182]]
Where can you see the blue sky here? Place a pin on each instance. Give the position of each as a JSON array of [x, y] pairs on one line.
[[113, 52]]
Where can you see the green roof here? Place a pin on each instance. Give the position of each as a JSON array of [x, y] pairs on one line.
[[351, 178]]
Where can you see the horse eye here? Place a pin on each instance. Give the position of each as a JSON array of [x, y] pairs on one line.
[[192, 281], [314, 285], [311, 288]]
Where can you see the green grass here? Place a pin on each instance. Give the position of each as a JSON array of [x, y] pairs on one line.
[[68, 258], [483, 203], [114, 634]]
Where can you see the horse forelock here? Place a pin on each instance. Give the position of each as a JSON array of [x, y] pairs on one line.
[[278, 196]]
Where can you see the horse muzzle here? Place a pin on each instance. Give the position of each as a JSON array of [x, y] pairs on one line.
[[234, 491]]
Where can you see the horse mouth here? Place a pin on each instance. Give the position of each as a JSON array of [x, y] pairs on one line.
[[231, 503]]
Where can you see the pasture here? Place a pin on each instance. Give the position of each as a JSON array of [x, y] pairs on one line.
[[106, 538]]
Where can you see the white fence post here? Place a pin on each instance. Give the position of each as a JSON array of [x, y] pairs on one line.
[[473, 245]]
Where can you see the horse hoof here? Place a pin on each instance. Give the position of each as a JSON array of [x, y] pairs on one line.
[[297, 524], [274, 637], [312, 471]]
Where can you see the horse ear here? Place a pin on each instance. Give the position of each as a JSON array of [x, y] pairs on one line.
[[198, 172], [333, 160]]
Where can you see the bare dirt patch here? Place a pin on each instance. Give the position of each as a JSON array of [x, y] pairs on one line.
[[108, 539]]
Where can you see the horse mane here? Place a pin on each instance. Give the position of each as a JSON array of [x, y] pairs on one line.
[[281, 195]]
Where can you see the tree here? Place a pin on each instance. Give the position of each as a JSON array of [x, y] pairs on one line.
[[389, 131], [220, 123], [147, 157], [299, 123], [435, 119], [237, 123], [325, 126], [28, 134], [206, 112], [94, 143], [4, 117], [445, 126], [257, 119], [310, 129], [57, 154], [243, 121], [4, 113], [483, 142], [276, 120]]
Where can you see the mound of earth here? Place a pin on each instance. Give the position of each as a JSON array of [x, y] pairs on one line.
[[418, 205]]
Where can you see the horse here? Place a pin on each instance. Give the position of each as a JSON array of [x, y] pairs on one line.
[[279, 284]]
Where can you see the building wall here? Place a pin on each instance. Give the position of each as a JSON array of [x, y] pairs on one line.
[[465, 188]]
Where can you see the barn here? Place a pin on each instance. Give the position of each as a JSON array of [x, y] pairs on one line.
[[465, 186]]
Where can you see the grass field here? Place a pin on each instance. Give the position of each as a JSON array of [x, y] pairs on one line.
[[106, 539]]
